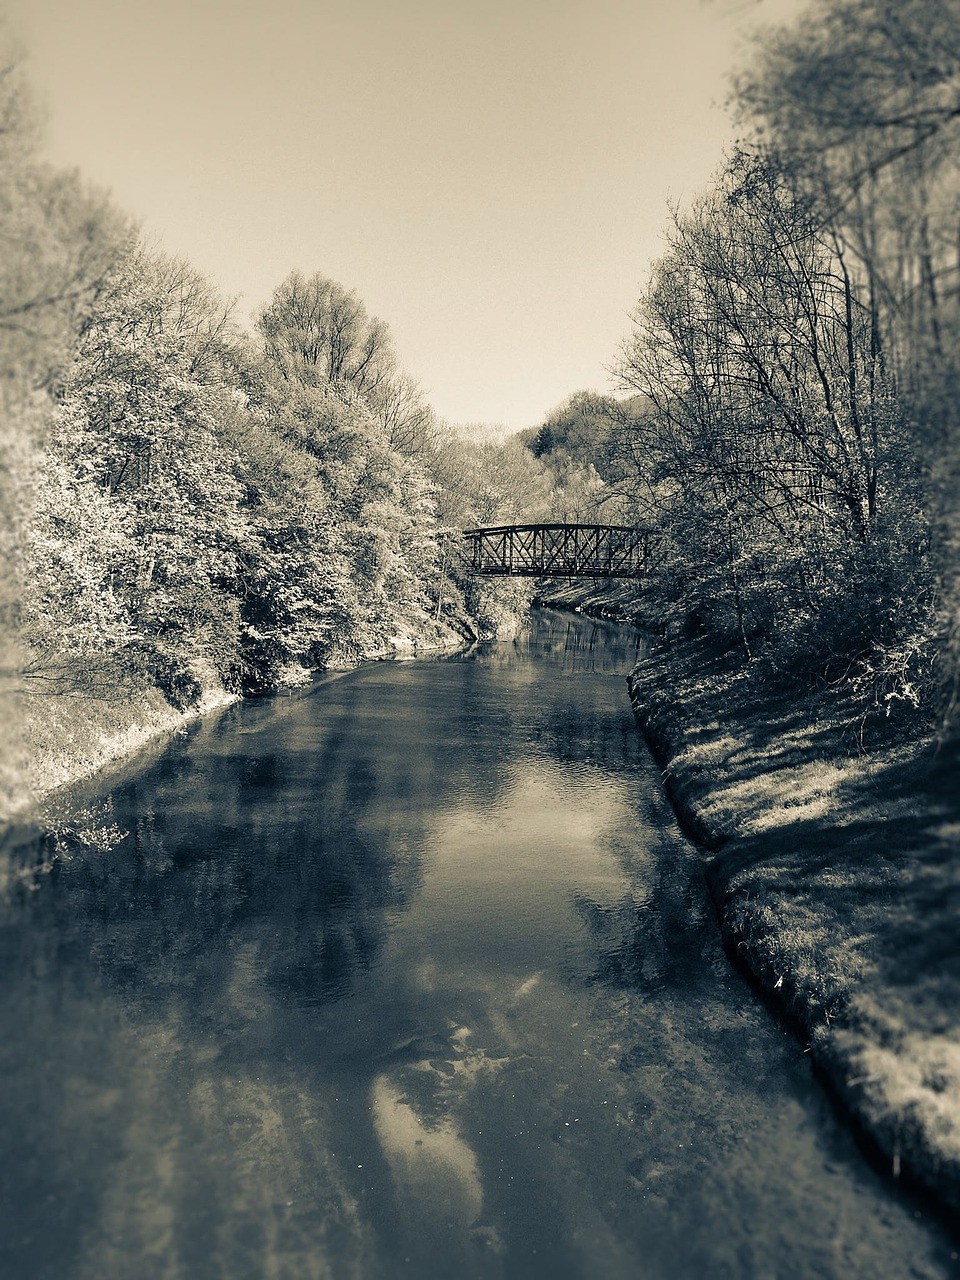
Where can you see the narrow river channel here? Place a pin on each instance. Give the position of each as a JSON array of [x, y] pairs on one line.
[[409, 973]]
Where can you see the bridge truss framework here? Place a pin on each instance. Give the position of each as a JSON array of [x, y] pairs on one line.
[[559, 550]]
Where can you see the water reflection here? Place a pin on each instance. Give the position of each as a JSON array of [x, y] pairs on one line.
[[212, 862], [571, 646], [661, 935], [407, 972]]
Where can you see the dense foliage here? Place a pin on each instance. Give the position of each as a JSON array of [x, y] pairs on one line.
[[583, 445], [795, 351], [187, 505], [215, 506], [57, 239]]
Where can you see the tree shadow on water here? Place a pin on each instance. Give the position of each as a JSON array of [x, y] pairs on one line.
[[656, 939], [238, 857]]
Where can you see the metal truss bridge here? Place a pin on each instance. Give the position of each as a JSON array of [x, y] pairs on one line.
[[559, 550]]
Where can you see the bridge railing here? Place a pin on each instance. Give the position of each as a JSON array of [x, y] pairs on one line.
[[559, 550]]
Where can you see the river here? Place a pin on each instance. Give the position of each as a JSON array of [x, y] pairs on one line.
[[410, 973]]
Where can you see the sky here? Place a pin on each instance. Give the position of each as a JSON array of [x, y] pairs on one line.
[[493, 177]]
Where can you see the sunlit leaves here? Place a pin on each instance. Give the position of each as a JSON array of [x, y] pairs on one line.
[[138, 431], [776, 454]]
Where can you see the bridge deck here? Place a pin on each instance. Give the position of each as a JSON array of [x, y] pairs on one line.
[[559, 550]]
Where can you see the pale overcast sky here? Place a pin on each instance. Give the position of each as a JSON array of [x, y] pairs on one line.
[[492, 176]]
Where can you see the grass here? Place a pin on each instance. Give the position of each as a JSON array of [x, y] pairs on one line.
[[65, 737], [836, 873]]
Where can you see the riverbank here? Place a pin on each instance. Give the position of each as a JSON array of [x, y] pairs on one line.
[[615, 599], [72, 737], [69, 738], [836, 878]]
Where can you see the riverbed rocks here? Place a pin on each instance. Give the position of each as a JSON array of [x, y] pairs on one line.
[[834, 862]]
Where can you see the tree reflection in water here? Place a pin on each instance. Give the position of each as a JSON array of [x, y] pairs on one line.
[[408, 964], [241, 861], [654, 939]]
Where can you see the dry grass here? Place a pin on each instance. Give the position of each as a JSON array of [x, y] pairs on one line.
[[72, 737], [837, 876]]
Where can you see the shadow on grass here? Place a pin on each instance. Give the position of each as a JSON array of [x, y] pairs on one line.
[[884, 866], [836, 874]]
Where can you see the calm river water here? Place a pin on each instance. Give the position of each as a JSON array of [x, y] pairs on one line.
[[409, 973]]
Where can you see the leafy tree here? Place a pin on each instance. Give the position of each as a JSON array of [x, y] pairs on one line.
[[489, 482], [297, 599], [334, 389], [139, 420], [58, 240], [860, 102], [584, 430], [583, 446], [775, 448]]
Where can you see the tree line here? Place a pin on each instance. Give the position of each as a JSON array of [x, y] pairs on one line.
[[791, 435], [187, 502]]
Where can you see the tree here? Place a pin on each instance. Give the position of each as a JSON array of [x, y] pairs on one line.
[[58, 239], [138, 426], [489, 482], [582, 429], [315, 330], [775, 448], [862, 105], [581, 444], [297, 599], [411, 426], [857, 85], [334, 389]]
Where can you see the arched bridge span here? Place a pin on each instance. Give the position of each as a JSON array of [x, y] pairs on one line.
[[559, 550]]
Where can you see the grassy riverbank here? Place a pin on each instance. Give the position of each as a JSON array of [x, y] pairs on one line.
[[68, 737], [72, 737], [836, 875]]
